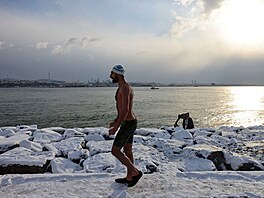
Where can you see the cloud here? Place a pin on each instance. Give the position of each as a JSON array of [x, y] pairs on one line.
[[210, 5], [199, 11], [42, 45], [6, 45], [73, 43], [1, 44]]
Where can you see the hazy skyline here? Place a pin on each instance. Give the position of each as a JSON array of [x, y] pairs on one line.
[[166, 41]]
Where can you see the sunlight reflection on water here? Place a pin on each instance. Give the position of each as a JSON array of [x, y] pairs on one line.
[[247, 104]]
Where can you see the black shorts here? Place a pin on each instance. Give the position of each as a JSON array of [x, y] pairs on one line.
[[125, 133]]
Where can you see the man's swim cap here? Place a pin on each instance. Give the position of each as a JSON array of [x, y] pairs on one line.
[[118, 69]]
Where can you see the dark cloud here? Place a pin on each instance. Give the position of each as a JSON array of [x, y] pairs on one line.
[[210, 5]]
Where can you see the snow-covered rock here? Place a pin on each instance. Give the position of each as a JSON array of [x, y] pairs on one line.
[[62, 165], [182, 135], [69, 133], [46, 136], [152, 132], [96, 147], [7, 133], [50, 147], [94, 137], [96, 130], [202, 133], [168, 147], [71, 144], [34, 146], [76, 156], [22, 160], [242, 163], [194, 164], [102, 162], [12, 142]]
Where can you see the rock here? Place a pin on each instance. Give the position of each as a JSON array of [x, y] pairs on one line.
[[168, 147], [46, 136], [103, 162], [213, 153], [94, 137], [7, 133], [182, 135], [59, 130], [148, 158], [164, 135], [31, 145], [50, 147], [195, 164], [99, 147], [71, 144], [24, 161], [242, 163], [62, 165], [152, 132], [202, 133], [76, 156], [69, 133], [96, 130], [7, 144]]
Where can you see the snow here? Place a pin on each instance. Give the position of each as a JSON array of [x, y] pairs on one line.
[[175, 162], [168, 184]]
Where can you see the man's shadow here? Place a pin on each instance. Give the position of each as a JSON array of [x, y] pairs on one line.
[[119, 191]]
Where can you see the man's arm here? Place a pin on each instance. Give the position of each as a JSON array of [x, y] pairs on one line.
[[176, 122]]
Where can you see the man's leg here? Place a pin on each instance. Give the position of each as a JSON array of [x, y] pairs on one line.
[[129, 154], [131, 170]]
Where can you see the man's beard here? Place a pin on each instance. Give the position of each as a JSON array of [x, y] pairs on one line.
[[115, 80]]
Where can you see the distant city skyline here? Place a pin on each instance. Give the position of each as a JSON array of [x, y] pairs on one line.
[[172, 41]]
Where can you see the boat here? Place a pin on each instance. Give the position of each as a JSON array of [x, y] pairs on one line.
[[153, 87]]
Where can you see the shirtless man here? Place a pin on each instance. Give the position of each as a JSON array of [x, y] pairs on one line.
[[127, 122]]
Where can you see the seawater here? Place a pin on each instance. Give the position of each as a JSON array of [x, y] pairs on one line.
[[95, 107]]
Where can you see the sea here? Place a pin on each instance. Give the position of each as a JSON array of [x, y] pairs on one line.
[[209, 107]]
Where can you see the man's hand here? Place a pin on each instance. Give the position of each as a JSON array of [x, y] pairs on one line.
[[112, 131]]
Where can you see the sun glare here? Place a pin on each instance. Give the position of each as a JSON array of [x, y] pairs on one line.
[[246, 103], [241, 23]]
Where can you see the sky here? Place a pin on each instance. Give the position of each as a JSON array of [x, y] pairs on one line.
[[167, 41]]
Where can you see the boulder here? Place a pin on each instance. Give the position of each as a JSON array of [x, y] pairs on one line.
[[62, 165], [195, 164], [94, 137], [33, 146], [76, 156], [241, 163], [102, 162], [7, 144], [96, 130], [168, 147], [7, 133], [213, 153], [21, 160], [96, 147], [71, 144], [46, 136], [182, 135], [148, 131], [69, 133]]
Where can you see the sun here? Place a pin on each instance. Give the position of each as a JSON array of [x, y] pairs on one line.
[[240, 23]]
